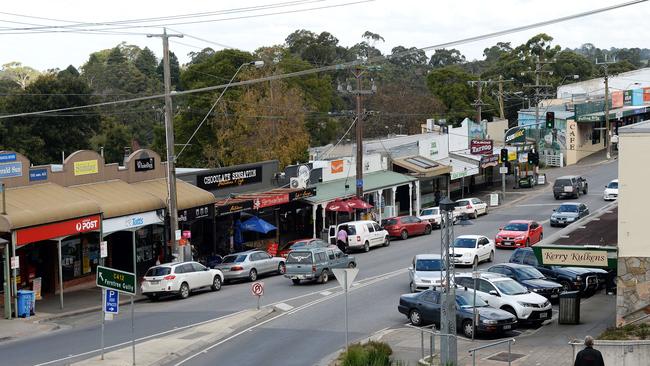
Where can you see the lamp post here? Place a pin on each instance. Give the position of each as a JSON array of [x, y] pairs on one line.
[[448, 347]]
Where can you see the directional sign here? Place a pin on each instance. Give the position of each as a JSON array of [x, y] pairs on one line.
[[113, 279], [345, 280], [257, 288], [112, 302]]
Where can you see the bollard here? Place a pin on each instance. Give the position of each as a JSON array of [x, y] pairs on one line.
[[422, 342]]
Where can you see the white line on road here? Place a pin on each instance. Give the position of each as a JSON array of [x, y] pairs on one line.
[[536, 204], [326, 293]]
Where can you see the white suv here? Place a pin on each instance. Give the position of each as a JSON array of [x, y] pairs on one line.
[[425, 272], [179, 278], [504, 293], [361, 235], [472, 249], [472, 207]]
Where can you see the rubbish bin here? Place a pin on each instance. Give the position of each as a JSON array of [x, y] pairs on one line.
[[25, 303], [569, 308]]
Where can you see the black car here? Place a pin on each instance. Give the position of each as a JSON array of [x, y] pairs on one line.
[[587, 280], [424, 307], [531, 278], [570, 186]]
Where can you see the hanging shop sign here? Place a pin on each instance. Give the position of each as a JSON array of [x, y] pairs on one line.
[[480, 147], [195, 213], [489, 160], [304, 193], [37, 174], [130, 222], [86, 167], [57, 230], [270, 200], [627, 97], [143, 165], [7, 157], [233, 207], [10, 170], [227, 179], [336, 166], [516, 135]]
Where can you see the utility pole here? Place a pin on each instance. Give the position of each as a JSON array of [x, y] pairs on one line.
[[448, 344], [478, 103], [608, 130], [502, 114], [169, 137]]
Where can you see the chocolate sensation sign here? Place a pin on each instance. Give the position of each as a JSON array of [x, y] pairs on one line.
[[231, 178]]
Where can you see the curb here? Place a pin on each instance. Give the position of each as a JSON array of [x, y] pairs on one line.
[[82, 311]]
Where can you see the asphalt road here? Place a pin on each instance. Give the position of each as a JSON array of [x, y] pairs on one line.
[[315, 328]]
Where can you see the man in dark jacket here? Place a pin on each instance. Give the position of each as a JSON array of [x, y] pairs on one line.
[[589, 356]]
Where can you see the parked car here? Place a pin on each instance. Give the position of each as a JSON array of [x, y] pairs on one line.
[[179, 278], [472, 207], [250, 264], [300, 243], [611, 191], [424, 307], [581, 279], [570, 186], [504, 293], [405, 226], [425, 272], [568, 213], [361, 235], [432, 214], [472, 249], [531, 278], [519, 233], [316, 263]]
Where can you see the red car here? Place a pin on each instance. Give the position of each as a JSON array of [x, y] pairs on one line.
[[299, 243], [519, 233], [405, 226]]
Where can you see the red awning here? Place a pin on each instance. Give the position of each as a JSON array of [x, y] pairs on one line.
[[277, 196], [358, 203], [339, 206]]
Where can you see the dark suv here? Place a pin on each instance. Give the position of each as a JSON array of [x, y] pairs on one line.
[[570, 186], [587, 280]]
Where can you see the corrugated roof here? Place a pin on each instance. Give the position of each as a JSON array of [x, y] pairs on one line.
[[421, 166], [118, 198], [329, 191], [43, 203], [188, 196]]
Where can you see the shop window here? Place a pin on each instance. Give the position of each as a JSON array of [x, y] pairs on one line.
[[595, 133], [79, 256]]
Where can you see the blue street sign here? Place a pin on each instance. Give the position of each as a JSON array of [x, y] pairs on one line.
[[112, 302], [359, 182]]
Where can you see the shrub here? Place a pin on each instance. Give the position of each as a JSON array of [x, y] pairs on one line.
[[370, 354]]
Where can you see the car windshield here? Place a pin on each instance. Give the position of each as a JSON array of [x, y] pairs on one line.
[[300, 244], [510, 287], [299, 258], [158, 271], [234, 259], [462, 203], [567, 208], [528, 273], [388, 222], [429, 211], [465, 299], [562, 182], [465, 243], [613, 185], [516, 227], [428, 265]]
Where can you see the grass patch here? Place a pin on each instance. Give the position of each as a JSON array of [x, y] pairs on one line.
[[369, 354], [627, 332]]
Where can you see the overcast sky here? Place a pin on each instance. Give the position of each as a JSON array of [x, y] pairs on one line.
[[406, 22]]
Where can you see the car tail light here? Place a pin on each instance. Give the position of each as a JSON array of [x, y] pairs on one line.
[[237, 268], [469, 207], [313, 268], [358, 238], [169, 277]]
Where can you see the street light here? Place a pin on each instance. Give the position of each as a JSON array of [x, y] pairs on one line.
[[448, 350]]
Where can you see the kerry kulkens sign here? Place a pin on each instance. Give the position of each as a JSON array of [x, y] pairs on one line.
[[564, 257]]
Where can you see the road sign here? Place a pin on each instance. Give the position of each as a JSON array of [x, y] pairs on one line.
[[345, 280], [503, 170], [359, 182], [257, 288], [112, 302], [476, 274], [103, 249], [15, 262], [113, 279]]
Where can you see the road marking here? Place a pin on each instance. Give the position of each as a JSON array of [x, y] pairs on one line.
[[284, 307], [326, 293], [537, 204]]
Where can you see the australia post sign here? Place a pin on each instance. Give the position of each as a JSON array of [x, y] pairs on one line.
[[58, 229], [480, 147]]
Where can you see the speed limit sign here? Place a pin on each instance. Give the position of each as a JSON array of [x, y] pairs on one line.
[[257, 288]]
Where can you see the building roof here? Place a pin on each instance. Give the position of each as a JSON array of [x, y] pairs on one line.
[[369, 146], [422, 167], [329, 191], [640, 127], [188, 196], [118, 198]]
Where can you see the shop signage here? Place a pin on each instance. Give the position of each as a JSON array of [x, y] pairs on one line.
[[271, 200], [458, 174], [86, 167], [523, 157], [186, 234], [37, 174], [9, 170], [130, 222], [646, 94], [195, 213], [7, 157], [516, 135], [103, 248], [489, 160], [15, 262], [336, 166], [572, 127], [480, 147], [112, 279], [627, 97], [233, 207], [305, 193], [37, 286], [112, 302], [617, 99], [574, 257], [227, 179], [57, 230], [589, 118], [142, 165]]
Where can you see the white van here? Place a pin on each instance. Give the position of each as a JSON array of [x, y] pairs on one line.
[[361, 234]]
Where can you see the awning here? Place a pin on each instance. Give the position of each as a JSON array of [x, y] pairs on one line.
[[614, 114], [118, 198], [43, 203], [422, 167], [329, 191], [277, 196], [232, 205], [187, 195], [460, 168]]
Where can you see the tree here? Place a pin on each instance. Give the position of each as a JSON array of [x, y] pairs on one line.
[[19, 74], [450, 85], [174, 71], [146, 63], [321, 49], [113, 137], [407, 57], [443, 57]]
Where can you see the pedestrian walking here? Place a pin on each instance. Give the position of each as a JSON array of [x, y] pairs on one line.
[[342, 240], [436, 197], [589, 356]]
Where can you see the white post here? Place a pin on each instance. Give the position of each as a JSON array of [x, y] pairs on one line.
[[345, 281], [60, 277], [313, 219], [417, 197], [323, 205], [410, 199], [380, 199], [394, 191]]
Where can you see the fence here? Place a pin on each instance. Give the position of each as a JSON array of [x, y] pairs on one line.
[[432, 343], [509, 341], [619, 353]]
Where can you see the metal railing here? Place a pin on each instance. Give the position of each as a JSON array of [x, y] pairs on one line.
[[509, 341], [432, 344]]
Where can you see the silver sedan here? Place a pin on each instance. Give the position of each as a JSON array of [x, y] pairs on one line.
[[250, 264]]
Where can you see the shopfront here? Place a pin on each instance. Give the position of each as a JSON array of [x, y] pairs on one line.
[[432, 177], [227, 212]]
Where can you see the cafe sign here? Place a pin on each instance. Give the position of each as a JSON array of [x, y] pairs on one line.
[[229, 178], [304, 193], [576, 255], [143, 165], [480, 147], [233, 207]]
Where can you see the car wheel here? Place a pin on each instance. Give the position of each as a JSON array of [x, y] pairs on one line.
[[296, 281], [366, 247], [324, 277], [352, 265], [415, 317], [282, 268], [586, 190], [216, 283], [491, 259], [387, 241], [541, 236], [468, 328], [404, 235], [510, 310], [412, 286], [486, 210], [152, 297], [565, 286], [475, 214], [252, 275], [527, 242], [476, 261], [557, 197], [184, 291], [427, 230]]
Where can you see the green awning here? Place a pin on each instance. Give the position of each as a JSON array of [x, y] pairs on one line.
[[329, 191], [613, 114]]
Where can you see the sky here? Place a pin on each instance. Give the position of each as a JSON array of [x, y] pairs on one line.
[[418, 23]]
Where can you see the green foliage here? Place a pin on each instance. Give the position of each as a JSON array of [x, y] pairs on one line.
[[174, 71], [628, 332], [113, 137], [450, 85], [369, 354], [146, 63], [443, 57]]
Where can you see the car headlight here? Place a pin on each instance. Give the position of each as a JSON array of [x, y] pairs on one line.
[[578, 278], [489, 321], [526, 304], [536, 290]]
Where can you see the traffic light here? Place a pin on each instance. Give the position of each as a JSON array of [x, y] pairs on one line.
[[504, 155], [533, 158], [550, 120]]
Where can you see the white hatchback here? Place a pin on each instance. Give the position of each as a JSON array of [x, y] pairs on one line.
[[179, 278], [473, 249], [473, 207], [611, 191], [425, 272]]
